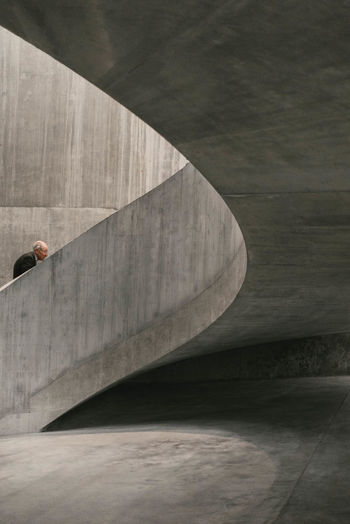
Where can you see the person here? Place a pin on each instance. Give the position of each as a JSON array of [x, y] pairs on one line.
[[29, 260]]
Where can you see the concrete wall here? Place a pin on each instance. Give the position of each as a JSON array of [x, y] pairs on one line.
[[132, 289], [69, 154], [255, 96]]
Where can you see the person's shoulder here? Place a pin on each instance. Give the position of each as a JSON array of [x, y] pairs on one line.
[[26, 257], [23, 263], [30, 254]]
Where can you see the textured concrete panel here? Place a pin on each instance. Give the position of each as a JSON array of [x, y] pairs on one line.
[[134, 287], [65, 143]]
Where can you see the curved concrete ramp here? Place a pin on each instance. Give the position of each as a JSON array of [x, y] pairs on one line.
[[255, 95], [129, 291]]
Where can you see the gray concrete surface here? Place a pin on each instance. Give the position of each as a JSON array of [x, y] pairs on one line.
[[134, 287], [134, 477], [70, 155], [327, 355], [21, 226], [250, 451], [256, 97]]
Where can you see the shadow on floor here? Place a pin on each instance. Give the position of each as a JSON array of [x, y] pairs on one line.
[[295, 404], [301, 425]]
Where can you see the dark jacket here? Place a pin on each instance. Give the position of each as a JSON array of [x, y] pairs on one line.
[[23, 263]]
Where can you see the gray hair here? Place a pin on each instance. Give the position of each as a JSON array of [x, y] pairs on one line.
[[38, 245]]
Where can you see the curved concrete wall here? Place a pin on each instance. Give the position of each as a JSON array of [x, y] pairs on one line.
[[70, 155], [133, 288], [256, 97]]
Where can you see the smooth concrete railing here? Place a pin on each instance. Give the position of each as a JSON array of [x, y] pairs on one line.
[[132, 289]]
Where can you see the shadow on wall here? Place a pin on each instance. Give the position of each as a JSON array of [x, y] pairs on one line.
[[321, 356]]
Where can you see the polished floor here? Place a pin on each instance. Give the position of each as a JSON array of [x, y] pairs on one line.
[[268, 451]]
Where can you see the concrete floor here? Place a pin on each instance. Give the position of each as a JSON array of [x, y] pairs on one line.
[[227, 452]]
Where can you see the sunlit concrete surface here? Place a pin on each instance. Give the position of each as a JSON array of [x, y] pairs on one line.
[[213, 453], [132, 477]]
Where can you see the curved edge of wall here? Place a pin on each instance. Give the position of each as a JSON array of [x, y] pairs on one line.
[[132, 289], [70, 154]]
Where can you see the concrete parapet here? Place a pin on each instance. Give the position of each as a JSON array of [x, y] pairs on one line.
[[132, 289]]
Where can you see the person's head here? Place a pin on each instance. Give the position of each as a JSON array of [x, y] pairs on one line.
[[40, 249]]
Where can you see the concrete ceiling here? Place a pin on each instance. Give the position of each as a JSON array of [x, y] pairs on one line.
[[257, 96]]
